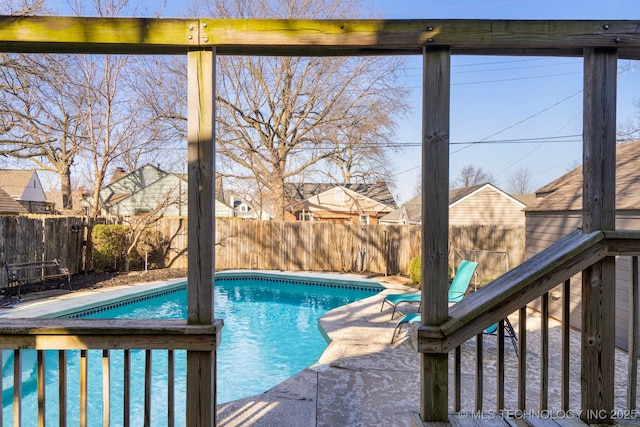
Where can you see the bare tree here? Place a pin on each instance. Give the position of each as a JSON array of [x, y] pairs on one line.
[[121, 126], [41, 116], [21, 7], [362, 150], [278, 117], [40, 120], [58, 111], [471, 175], [520, 182]]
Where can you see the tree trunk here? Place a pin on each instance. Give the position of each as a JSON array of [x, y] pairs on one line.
[[65, 182], [278, 199]]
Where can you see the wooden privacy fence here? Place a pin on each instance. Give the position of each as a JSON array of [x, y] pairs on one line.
[[317, 246], [495, 248], [271, 245], [30, 239]]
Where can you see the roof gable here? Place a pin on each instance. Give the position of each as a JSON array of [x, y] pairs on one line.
[[459, 196], [411, 211], [298, 192], [135, 180], [565, 193], [18, 182]]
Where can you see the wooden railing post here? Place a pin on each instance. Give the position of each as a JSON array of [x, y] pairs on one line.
[[201, 390], [435, 226], [599, 189]]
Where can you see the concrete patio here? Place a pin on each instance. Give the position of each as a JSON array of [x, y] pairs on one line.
[[363, 380]]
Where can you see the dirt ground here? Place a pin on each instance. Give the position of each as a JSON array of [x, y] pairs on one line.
[[97, 280]]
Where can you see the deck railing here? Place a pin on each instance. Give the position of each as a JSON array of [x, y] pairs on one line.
[[511, 294], [64, 335]]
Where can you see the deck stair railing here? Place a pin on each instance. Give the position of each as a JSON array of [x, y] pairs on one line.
[[64, 335], [510, 294]]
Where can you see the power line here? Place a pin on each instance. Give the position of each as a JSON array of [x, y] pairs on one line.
[[523, 120]]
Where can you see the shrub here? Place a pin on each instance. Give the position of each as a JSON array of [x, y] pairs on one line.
[[110, 242], [415, 272]]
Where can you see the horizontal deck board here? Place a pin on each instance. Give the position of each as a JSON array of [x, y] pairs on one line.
[[81, 334]]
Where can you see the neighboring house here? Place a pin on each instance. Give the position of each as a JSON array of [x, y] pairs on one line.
[[146, 190], [343, 203], [479, 204], [24, 187], [8, 206], [558, 212], [245, 210]]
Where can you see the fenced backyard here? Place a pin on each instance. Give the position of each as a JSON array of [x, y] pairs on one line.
[[271, 245]]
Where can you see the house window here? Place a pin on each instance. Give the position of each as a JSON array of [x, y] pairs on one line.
[[243, 208], [305, 216], [364, 219], [338, 193]]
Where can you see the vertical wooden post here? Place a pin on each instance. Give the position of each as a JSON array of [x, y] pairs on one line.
[[435, 225], [201, 137], [634, 294], [599, 188]]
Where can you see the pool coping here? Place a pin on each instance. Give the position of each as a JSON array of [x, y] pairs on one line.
[[65, 304]]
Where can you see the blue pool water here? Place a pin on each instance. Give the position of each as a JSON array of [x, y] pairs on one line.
[[271, 333]]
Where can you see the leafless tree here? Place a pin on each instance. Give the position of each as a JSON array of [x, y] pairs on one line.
[[278, 117], [41, 119], [21, 7], [629, 130], [470, 176], [520, 182], [84, 110], [363, 149], [121, 126]]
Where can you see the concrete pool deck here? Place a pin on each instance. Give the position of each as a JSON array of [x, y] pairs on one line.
[[361, 379]]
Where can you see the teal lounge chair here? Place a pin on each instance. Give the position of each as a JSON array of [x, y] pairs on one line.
[[457, 289], [508, 328], [491, 330]]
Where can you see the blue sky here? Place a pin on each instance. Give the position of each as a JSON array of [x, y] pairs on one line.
[[511, 98], [533, 102]]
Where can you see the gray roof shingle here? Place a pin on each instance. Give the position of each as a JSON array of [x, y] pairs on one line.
[[8, 206], [297, 192], [565, 193]]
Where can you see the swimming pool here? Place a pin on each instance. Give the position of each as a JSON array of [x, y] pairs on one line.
[[271, 332]]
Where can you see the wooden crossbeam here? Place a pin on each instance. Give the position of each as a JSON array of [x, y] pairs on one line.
[[299, 37]]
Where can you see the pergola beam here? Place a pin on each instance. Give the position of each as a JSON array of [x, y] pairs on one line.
[[47, 34]]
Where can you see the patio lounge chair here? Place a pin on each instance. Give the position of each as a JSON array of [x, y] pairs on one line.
[[491, 330], [457, 289], [508, 328]]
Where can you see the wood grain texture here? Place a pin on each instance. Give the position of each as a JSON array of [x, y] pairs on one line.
[[598, 213], [77, 334], [294, 37], [634, 332], [435, 211], [201, 166]]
